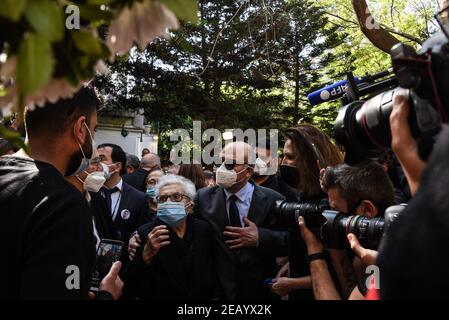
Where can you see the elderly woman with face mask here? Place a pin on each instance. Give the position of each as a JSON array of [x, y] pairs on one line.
[[176, 260]]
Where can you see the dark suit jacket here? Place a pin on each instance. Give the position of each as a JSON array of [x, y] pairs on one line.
[[103, 219], [137, 179], [182, 270], [136, 203], [242, 272]]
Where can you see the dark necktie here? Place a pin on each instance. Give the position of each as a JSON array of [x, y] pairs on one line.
[[234, 216], [108, 198]]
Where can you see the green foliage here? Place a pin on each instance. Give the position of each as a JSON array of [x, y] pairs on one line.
[[184, 9], [355, 53], [13, 137], [12, 9], [46, 18], [36, 63], [34, 32], [86, 42], [235, 69]]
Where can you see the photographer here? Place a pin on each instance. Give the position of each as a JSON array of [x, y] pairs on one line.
[[364, 190], [306, 150], [403, 144], [419, 235]]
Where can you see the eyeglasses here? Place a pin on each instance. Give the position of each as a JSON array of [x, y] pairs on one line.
[[175, 197], [442, 18]]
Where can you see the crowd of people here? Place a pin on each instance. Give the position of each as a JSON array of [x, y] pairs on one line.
[[188, 233]]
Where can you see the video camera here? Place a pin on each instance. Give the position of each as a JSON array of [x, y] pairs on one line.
[[332, 227], [362, 125]]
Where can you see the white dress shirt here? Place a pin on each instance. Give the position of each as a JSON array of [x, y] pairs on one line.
[[96, 236]]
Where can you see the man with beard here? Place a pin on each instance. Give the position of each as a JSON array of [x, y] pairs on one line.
[[47, 233]]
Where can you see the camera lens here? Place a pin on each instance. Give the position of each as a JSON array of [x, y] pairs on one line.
[[334, 232], [363, 128], [288, 213], [368, 231]]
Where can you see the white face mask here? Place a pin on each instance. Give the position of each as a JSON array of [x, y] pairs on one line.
[[227, 178], [106, 172], [94, 181], [261, 168]]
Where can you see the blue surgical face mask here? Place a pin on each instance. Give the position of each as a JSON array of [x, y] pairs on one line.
[[172, 213], [151, 192]]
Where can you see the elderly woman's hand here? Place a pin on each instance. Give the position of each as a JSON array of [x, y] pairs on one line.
[[156, 239]]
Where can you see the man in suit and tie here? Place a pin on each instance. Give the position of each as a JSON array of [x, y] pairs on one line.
[[127, 206], [246, 231]]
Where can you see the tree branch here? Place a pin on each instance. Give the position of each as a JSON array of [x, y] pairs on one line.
[[378, 36], [339, 17], [209, 58], [402, 34]]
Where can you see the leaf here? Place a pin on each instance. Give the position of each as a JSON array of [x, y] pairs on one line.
[[13, 137], [35, 63], [99, 2], [186, 10], [92, 13], [12, 9], [87, 42], [46, 18]]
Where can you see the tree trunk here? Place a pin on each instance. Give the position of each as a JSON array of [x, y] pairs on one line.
[[381, 38], [444, 3]]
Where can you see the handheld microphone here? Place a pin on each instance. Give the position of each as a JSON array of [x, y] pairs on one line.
[[329, 93], [338, 89]]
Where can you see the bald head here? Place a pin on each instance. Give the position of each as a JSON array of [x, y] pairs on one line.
[[240, 152], [150, 161]]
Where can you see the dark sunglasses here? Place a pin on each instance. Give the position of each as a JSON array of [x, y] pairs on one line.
[[230, 165]]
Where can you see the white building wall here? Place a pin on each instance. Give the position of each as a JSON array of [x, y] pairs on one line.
[[130, 144]]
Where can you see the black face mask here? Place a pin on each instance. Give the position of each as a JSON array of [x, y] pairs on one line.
[[75, 160], [290, 175]]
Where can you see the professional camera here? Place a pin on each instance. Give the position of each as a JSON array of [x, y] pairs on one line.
[[332, 227], [362, 125]]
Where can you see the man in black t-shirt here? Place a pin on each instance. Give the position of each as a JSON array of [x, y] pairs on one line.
[[47, 233]]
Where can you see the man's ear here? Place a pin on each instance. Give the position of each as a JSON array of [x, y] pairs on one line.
[[250, 172], [119, 167], [367, 209], [79, 130]]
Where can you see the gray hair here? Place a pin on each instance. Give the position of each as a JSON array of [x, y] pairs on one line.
[[132, 161], [186, 184]]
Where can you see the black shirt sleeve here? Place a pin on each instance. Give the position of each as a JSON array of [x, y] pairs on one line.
[[57, 256]]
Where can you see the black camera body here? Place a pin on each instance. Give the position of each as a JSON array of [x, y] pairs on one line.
[[362, 125], [332, 227]]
